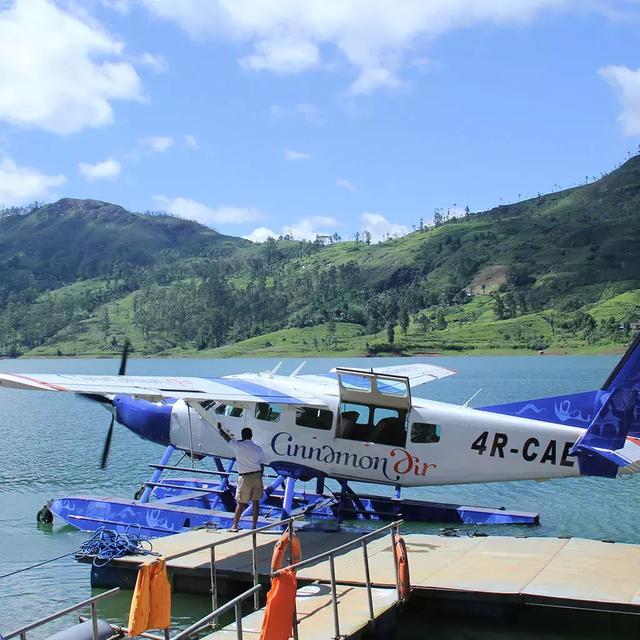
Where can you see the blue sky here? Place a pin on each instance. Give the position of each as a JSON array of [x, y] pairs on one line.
[[317, 116]]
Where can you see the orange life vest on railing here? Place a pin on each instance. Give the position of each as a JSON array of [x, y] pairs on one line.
[[402, 558], [277, 623], [278, 559], [151, 601]]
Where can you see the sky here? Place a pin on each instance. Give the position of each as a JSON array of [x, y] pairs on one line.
[[270, 117]]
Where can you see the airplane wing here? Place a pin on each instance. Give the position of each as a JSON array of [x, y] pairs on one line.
[[234, 389], [418, 374]]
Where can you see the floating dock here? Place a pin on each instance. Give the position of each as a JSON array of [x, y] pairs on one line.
[[554, 572]]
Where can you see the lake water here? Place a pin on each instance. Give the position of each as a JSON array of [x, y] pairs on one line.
[[50, 446]]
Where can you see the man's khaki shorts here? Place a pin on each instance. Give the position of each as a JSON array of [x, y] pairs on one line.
[[249, 488]]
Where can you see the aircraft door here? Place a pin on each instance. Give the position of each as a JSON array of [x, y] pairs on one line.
[[372, 419]]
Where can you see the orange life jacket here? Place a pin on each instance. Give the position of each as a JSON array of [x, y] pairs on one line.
[[151, 601], [277, 623]]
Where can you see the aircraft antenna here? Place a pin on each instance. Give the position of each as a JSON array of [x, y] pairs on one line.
[[297, 370], [466, 404], [274, 370]]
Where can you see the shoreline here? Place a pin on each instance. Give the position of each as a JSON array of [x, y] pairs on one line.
[[498, 352]]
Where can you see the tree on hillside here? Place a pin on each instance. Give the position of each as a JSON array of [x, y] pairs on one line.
[[424, 322], [404, 321], [391, 334]]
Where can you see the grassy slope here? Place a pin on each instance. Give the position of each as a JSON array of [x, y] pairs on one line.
[[582, 242]]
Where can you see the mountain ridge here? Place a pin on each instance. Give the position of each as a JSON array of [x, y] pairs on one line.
[[531, 275]]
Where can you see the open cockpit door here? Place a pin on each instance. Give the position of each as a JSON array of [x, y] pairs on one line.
[[373, 407], [371, 388]]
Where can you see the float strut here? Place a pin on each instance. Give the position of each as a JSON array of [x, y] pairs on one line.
[[396, 494], [287, 504], [157, 473]]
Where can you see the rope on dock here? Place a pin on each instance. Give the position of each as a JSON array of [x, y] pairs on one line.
[[106, 545]]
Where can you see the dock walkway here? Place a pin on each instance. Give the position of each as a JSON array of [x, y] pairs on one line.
[[569, 572], [315, 614]]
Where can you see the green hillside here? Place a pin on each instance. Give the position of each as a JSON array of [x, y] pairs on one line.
[[557, 272]]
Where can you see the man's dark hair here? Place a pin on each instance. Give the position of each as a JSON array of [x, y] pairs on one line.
[[246, 433]]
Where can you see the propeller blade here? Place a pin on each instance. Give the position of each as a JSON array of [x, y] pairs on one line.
[[107, 445], [123, 359]]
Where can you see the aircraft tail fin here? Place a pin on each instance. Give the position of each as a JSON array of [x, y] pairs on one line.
[[626, 374], [606, 448]]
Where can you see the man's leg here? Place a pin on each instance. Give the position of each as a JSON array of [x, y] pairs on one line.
[[240, 507], [256, 509]]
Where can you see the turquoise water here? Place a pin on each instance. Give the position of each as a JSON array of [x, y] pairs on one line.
[[50, 446]]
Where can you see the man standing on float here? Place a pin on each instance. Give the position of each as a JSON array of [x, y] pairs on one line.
[[249, 462]]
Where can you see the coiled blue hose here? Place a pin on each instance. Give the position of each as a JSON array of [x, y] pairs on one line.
[[106, 545]]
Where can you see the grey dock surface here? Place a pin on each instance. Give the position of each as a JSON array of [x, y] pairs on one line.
[[585, 574], [315, 615]]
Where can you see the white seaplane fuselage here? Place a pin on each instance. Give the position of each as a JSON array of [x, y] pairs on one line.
[[432, 443]]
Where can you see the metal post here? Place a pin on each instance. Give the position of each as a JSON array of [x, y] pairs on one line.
[[94, 620], [395, 560], [23, 635], [238, 609], [254, 568], [157, 473], [367, 577], [334, 597], [295, 608], [214, 585], [167, 634]]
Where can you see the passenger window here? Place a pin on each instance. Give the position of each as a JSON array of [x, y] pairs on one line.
[[379, 425], [229, 410], [314, 418], [268, 412], [425, 433]]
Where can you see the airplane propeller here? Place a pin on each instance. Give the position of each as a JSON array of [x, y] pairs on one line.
[[107, 403], [121, 371]]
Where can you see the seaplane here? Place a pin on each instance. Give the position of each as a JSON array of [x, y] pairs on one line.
[[343, 427]]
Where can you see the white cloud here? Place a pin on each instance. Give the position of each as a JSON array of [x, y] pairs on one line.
[[260, 235], [373, 78], [209, 216], [343, 183], [159, 144], [305, 229], [191, 141], [379, 227], [374, 36], [290, 154], [288, 55], [22, 184], [106, 170], [154, 61], [626, 82], [59, 72]]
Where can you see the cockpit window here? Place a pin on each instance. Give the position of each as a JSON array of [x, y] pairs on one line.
[[268, 412], [229, 410], [314, 418], [425, 433]]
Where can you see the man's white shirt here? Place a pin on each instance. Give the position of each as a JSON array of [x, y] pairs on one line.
[[249, 456]]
